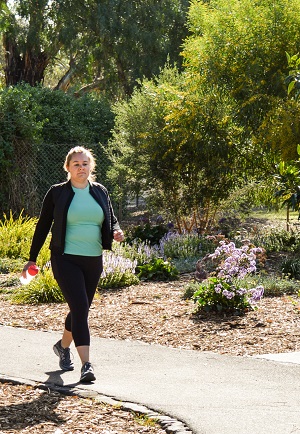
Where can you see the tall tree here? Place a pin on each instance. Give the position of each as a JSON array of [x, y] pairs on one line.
[[105, 41]]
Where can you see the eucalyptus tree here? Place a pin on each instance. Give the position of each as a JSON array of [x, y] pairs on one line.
[[104, 41]]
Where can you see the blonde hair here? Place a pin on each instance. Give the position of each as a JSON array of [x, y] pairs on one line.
[[90, 156]]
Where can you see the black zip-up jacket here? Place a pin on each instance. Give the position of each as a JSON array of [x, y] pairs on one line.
[[54, 216]]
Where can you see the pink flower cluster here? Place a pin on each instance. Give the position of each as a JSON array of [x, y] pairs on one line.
[[235, 262]]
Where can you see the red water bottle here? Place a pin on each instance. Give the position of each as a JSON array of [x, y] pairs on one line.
[[31, 272]]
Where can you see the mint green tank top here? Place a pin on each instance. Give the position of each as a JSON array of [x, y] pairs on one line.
[[84, 222]]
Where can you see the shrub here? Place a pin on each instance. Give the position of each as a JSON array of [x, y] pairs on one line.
[[8, 265], [290, 267], [157, 269], [139, 251], [181, 246], [275, 286], [146, 232], [42, 289], [15, 238], [228, 290], [219, 295], [276, 239], [184, 265]]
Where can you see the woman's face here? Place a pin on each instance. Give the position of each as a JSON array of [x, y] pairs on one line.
[[79, 168]]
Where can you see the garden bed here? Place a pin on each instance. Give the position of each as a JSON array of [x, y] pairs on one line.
[[156, 313]]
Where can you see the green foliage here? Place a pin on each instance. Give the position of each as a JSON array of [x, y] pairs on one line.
[[36, 114], [184, 246], [241, 45], [190, 289], [117, 279], [288, 180], [146, 232], [290, 267], [280, 130], [185, 265], [33, 118], [137, 251], [9, 265], [15, 239], [7, 285], [118, 271], [94, 52], [157, 269], [42, 289], [276, 239], [15, 236], [208, 299], [275, 285], [293, 79]]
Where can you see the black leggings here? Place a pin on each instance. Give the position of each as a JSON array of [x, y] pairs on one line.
[[78, 277]]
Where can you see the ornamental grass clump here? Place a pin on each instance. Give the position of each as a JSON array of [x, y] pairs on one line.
[[226, 289]]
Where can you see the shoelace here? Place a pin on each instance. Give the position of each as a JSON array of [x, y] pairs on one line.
[[66, 355]]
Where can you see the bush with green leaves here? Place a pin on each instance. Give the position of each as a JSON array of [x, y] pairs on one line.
[[42, 289], [186, 245], [227, 290], [146, 232], [157, 269], [8, 265], [15, 239], [276, 239], [31, 120], [16, 236], [290, 267], [274, 285]]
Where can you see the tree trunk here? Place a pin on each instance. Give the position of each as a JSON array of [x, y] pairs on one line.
[[65, 81], [28, 67]]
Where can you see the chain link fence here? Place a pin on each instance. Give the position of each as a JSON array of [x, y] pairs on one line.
[[35, 169]]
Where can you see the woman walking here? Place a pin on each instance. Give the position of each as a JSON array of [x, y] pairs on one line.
[[82, 222]]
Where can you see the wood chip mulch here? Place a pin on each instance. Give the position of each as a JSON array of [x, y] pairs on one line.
[[26, 409], [152, 312], [156, 313]]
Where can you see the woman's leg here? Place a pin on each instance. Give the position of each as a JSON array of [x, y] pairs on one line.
[[78, 278], [66, 339]]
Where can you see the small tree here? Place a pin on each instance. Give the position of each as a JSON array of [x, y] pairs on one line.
[[288, 182]]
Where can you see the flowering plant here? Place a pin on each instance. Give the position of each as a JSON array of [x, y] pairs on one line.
[[117, 271], [227, 288]]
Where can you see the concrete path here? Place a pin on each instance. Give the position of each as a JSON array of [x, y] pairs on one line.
[[208, 392]]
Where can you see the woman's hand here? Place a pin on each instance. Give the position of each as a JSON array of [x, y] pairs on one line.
[[26, 266], [119, 235]]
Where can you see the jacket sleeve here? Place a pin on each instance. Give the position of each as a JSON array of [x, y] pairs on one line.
[[114, 221], [43, 226]]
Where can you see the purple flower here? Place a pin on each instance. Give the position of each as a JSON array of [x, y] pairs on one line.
[[159, 219], [228, 294], [256, 294], [218, 288]]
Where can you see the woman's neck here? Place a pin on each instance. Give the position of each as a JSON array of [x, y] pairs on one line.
[[80, 185]]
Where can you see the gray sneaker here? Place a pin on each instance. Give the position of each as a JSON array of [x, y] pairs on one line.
[[64, 354], [87, 373]]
